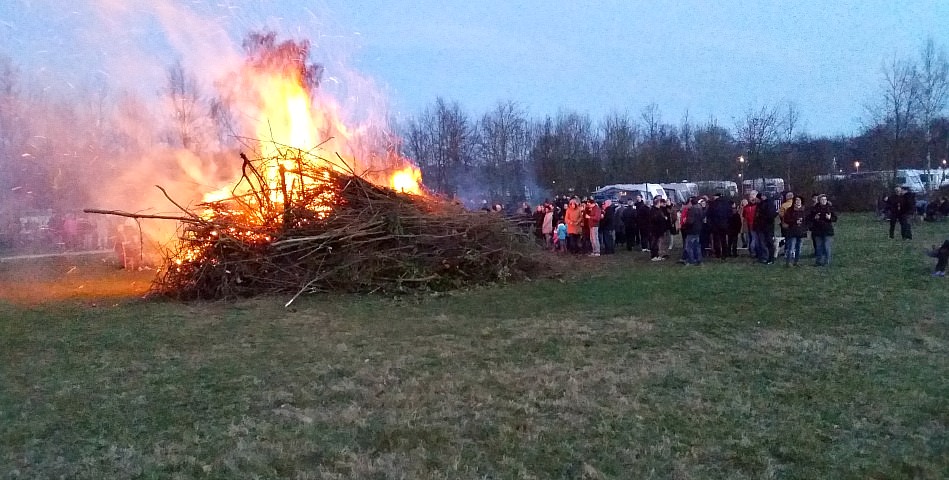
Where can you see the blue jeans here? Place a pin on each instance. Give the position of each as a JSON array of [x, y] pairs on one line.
[[693, 249], [822, 249], [792, 249], [753, 244], [765, 246]]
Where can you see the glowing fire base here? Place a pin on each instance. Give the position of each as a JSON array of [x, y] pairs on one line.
[[319, 229]]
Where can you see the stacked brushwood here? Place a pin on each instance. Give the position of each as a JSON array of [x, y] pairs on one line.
[[339, 233]]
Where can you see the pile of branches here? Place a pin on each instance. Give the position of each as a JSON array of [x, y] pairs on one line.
[[336, 233]]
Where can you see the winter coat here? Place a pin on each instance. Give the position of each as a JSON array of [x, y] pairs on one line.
[[630, 217], [718, 212], [821, 226], [573, 217], [907, 204], [796, 222], [658, 221], [606, 223], [765, 213], [695, 221], [734, 223], [548, 225], [642, 213], [785, 206], [748, 215]]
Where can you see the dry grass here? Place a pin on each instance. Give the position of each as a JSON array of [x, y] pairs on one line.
[[641, 371]]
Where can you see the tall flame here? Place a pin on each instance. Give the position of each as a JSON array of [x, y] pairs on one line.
[[289, 116]]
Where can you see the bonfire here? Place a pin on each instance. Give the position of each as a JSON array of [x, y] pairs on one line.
[[336, 232], [330, 214]]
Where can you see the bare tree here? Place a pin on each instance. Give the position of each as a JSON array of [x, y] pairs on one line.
[[618, 147], [186, 108], [715, 151], [505, 146], [932, 88], [687, 139], [440, 140], [757, 132], [788, 125], [898, 109]]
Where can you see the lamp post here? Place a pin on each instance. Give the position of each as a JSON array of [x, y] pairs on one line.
[[856, 165], [741, 173]]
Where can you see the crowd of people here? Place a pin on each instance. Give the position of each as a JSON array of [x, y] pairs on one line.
[[716, 226], [713, 226]]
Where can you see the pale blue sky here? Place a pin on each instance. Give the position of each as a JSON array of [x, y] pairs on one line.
[[708, 58]]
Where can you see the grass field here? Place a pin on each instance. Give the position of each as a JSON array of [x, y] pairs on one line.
[[621, 369]]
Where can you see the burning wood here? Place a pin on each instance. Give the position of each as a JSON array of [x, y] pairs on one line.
[[321, 228]]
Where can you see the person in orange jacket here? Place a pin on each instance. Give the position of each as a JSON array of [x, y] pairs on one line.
[[573, 217]]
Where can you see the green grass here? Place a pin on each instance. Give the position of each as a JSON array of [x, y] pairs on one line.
[[627, 370]]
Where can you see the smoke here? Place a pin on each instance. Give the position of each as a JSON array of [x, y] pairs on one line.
[[95, 121]]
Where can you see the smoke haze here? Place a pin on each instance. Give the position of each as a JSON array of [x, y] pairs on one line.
[[89, 119]]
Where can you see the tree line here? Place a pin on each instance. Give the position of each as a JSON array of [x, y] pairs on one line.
[[50, 144], [506, 156]]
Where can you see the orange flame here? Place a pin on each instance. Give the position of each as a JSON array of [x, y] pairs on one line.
[[290, 118], [407, 180]]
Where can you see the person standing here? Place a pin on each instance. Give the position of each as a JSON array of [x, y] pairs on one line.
[[658, 228], [593, 217], [642, 221], [573, 217], [907, 210], [822, 228], [808, 216], [719, 209], [692, 227], [743, 232], [735, 225], [631, 226], [607, 241], [748, 218], [765, 213], [893, 208], [547, 227], [795, 231]]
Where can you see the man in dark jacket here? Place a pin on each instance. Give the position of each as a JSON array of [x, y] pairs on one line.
[[765, 214], [607, 240], [693, 230], [822, 228], [719, 210], [658, 226], [907, 209], [631, 226], [642, 221]]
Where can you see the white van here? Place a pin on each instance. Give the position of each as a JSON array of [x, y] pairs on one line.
[[904, 177], [626, 192], [680, 192], [727, 188], [930, 179], [771, 186]]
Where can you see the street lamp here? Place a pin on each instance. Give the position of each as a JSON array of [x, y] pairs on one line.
[[856, 165], [741, 172], [944, 163]]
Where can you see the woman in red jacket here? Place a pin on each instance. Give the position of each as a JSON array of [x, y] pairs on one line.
[[748, 220]]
